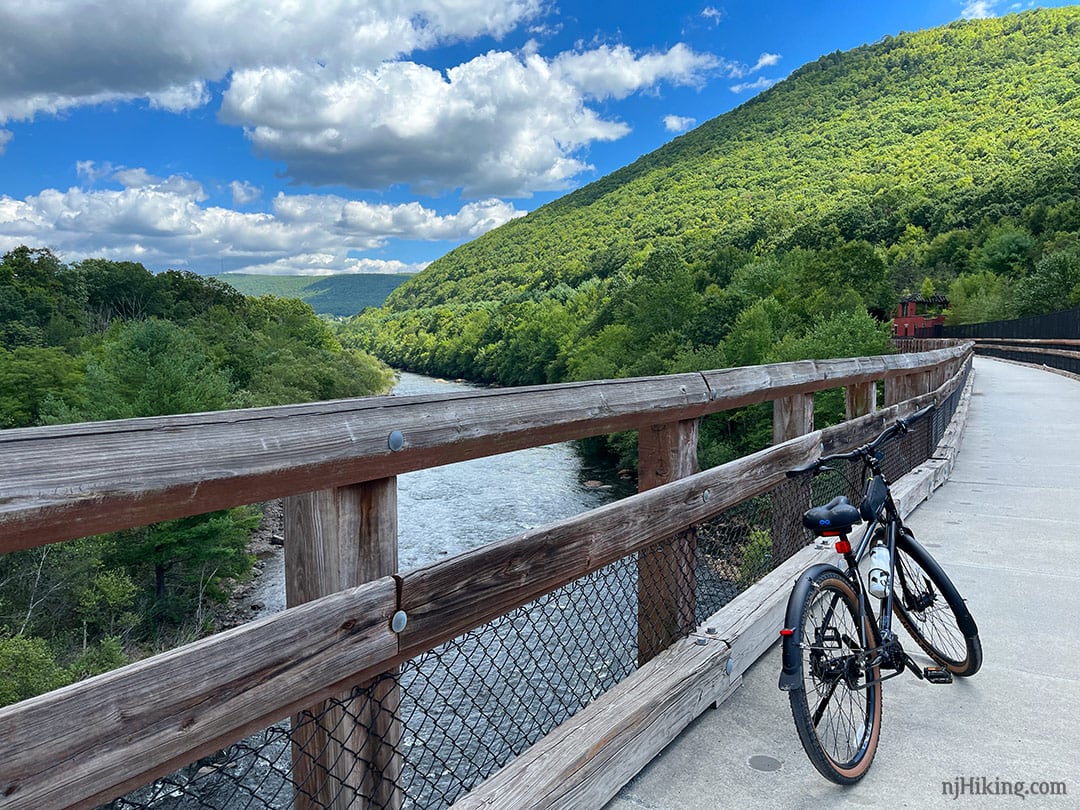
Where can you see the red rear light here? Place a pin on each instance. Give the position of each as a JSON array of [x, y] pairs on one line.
[[843, 547], [787, 631]]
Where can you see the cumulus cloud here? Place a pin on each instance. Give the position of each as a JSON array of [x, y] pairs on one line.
[[978, 9], [244, 193], [165, 222], [325, 264], [616, 72], [678, 123], [500, 123], [166, 52], [761, 84], [329, 90]]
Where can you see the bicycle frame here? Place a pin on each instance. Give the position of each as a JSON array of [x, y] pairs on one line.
[[882, 642]]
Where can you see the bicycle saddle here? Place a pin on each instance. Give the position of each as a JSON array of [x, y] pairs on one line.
[[835, 517]]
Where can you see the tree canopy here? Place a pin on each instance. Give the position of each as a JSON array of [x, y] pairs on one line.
[[99, 340]]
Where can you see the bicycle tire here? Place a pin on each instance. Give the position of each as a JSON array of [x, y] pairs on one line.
[[932, 610], [837, 710]]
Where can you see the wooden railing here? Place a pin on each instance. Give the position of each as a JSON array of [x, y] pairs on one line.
[[352, 615]]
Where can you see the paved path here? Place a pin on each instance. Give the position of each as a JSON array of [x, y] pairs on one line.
[[1006, 527]]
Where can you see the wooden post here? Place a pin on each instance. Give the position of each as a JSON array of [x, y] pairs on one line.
[[894, 390], [336, 539], [860, 399], [667, 582], [792, 416]]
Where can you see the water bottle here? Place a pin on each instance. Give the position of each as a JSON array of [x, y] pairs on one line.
[[877, 581]]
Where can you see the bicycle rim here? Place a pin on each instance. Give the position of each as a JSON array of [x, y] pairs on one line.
[[929, 607], [838, 709]]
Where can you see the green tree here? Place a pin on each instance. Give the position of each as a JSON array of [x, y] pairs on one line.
[[1054, 285], [979, 297], [40, 303], [28, 376], [27, 668]]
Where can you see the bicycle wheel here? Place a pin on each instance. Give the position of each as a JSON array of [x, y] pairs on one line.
[[932, 610], [837, 710]]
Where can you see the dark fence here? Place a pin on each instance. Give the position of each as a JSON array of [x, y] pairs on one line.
[[1062, 325]]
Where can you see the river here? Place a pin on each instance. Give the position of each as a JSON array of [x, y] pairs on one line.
[[443, 511]]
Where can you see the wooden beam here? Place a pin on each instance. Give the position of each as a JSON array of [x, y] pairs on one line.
[[666, 581], [337, 539], [793, 416], [94, 740], [70, 481], [449, 597], [860, 399]]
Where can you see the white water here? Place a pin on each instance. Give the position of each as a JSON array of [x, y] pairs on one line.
[[443, 511]]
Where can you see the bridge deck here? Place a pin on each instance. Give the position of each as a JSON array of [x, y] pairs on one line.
[[1007, 529]]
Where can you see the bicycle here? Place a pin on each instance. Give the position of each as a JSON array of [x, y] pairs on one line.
[[835, 648]]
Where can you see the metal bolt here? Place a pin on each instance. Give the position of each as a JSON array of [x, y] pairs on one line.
[[730, 665], [706, 495], [397, 624], [711, 631], [396, 440], [701, 642]]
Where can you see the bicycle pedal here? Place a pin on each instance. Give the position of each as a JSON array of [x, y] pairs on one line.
[[937, 675]]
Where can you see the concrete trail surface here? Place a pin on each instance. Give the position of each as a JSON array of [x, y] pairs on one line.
[[1006, 528]]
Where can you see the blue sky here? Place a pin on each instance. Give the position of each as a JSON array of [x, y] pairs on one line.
[[366, 135]]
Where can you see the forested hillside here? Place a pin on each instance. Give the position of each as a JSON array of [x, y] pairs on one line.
[[946, 160], [339, 296], [102, 340]]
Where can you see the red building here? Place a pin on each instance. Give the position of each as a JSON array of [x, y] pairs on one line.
[[920, 316]]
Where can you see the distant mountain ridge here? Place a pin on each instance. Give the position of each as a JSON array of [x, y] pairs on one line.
[[786, 229], [932, 130], [339, 295]]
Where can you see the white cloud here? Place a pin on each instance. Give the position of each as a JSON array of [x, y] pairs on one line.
[[498, 124], [325, 264], [165, 53], [678, 123], [766, 60], [180, 98], [244, 193], [329, 89], [761, 84], [164, 222], [616, 72], [978, 9], [5, 139], [738, 70], [712, 14]]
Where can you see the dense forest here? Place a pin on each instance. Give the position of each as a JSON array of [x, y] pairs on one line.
[[941, 161], [101, 340]]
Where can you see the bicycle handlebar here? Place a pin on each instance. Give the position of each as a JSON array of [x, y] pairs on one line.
[[900, 426]]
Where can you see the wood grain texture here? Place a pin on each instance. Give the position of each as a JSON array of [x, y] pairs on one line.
[[70, 481], [98, 738], [447, 598], [337, 539], [667, 580]]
